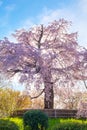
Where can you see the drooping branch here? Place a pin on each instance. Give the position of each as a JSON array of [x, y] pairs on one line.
[[85, 84], [38, 95]]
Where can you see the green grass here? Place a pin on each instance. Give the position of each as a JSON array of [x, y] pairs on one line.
[[52, 122], [55, 122]]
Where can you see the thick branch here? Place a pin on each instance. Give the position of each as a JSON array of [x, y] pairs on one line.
[[14, 71], [41, 35]]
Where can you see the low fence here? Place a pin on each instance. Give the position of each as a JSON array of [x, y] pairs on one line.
[[55, 113]]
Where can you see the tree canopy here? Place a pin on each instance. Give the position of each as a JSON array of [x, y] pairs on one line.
[[46, 55]]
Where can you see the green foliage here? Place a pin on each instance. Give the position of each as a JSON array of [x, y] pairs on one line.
[[54, 124], [18, 122], [36, 120], [8, 125], [70, 126]]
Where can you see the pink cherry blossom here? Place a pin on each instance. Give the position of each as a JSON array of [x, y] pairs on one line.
[[49, 54]]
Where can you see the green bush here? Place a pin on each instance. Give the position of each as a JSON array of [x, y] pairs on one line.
[[18, 122], [70, 126], [36, 120], [8, 125]]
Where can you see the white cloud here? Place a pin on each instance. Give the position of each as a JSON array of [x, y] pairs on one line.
[[50, 15], [4, 20], [11, 38], [10, 8], [81, 27], [26, 23], [83, 5], [77, 16]]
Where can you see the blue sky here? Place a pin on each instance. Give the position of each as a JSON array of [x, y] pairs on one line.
[[16, 14]]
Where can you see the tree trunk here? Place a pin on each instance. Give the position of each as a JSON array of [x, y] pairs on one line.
[[49, 96]]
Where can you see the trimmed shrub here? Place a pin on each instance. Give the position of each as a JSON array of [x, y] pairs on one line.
[[70, 126], [8, 125], [36, 120]]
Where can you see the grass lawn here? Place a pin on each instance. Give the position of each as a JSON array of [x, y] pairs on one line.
[[56, 122], [52, 122]]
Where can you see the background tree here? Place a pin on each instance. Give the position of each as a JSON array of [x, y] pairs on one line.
[[44, 56], [22, 101], [68, 97], [82, 111], [11, 100]]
